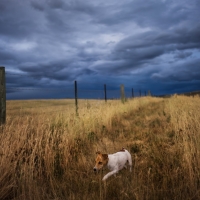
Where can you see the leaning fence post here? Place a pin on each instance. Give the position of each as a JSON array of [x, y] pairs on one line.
[[122, 93], [76, 96], [2, 96], [105, 93]]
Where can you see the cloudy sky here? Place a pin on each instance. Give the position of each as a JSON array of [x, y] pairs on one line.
[[146, 45]]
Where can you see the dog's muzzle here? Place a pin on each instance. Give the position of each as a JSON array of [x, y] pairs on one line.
[[94, 169]]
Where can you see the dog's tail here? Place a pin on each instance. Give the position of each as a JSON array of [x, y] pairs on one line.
[[129, 158]]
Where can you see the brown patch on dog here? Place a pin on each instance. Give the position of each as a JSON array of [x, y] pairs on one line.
[[123, 149]]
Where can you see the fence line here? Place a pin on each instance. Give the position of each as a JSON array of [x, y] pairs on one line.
[[75, 92], [58, 94]]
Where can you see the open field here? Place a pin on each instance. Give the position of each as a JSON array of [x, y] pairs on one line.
[[48, 152]]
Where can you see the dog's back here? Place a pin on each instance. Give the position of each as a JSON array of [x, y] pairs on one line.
[[118, 160]]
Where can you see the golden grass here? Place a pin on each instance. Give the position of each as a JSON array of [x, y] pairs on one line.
[[48, 152]]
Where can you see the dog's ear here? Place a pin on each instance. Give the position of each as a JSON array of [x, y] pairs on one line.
[[98, 152], [105, 156]]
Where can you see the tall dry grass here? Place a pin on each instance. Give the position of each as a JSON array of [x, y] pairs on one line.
[[185, 118], [48, 152]]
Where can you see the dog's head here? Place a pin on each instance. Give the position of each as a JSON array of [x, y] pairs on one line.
[[100, 161]]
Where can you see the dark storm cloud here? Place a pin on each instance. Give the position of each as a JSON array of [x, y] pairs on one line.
[[188, 71], [182, 55], [37, 5], [175, 39], [138, 50], [162, 14], [6, 56], [154, 44], [16, 19], [59, 71]]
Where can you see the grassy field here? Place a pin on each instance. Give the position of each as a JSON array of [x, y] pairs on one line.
[[48, 152]]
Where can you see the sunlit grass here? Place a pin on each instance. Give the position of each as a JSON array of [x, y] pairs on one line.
[[47, 151]]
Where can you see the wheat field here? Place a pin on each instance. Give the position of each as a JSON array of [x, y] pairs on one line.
[[47, 151]]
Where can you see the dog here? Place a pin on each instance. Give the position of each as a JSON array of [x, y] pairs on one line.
[[114, 162]]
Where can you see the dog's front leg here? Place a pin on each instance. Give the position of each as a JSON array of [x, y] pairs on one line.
[[109, 174]]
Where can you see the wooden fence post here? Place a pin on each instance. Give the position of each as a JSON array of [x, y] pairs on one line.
[[105, 93], [2, 96], [76, 97], [122, 93], [132, 93], [140, 93]]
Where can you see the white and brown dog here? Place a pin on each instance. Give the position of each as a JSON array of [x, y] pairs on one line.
[[114, 162]]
